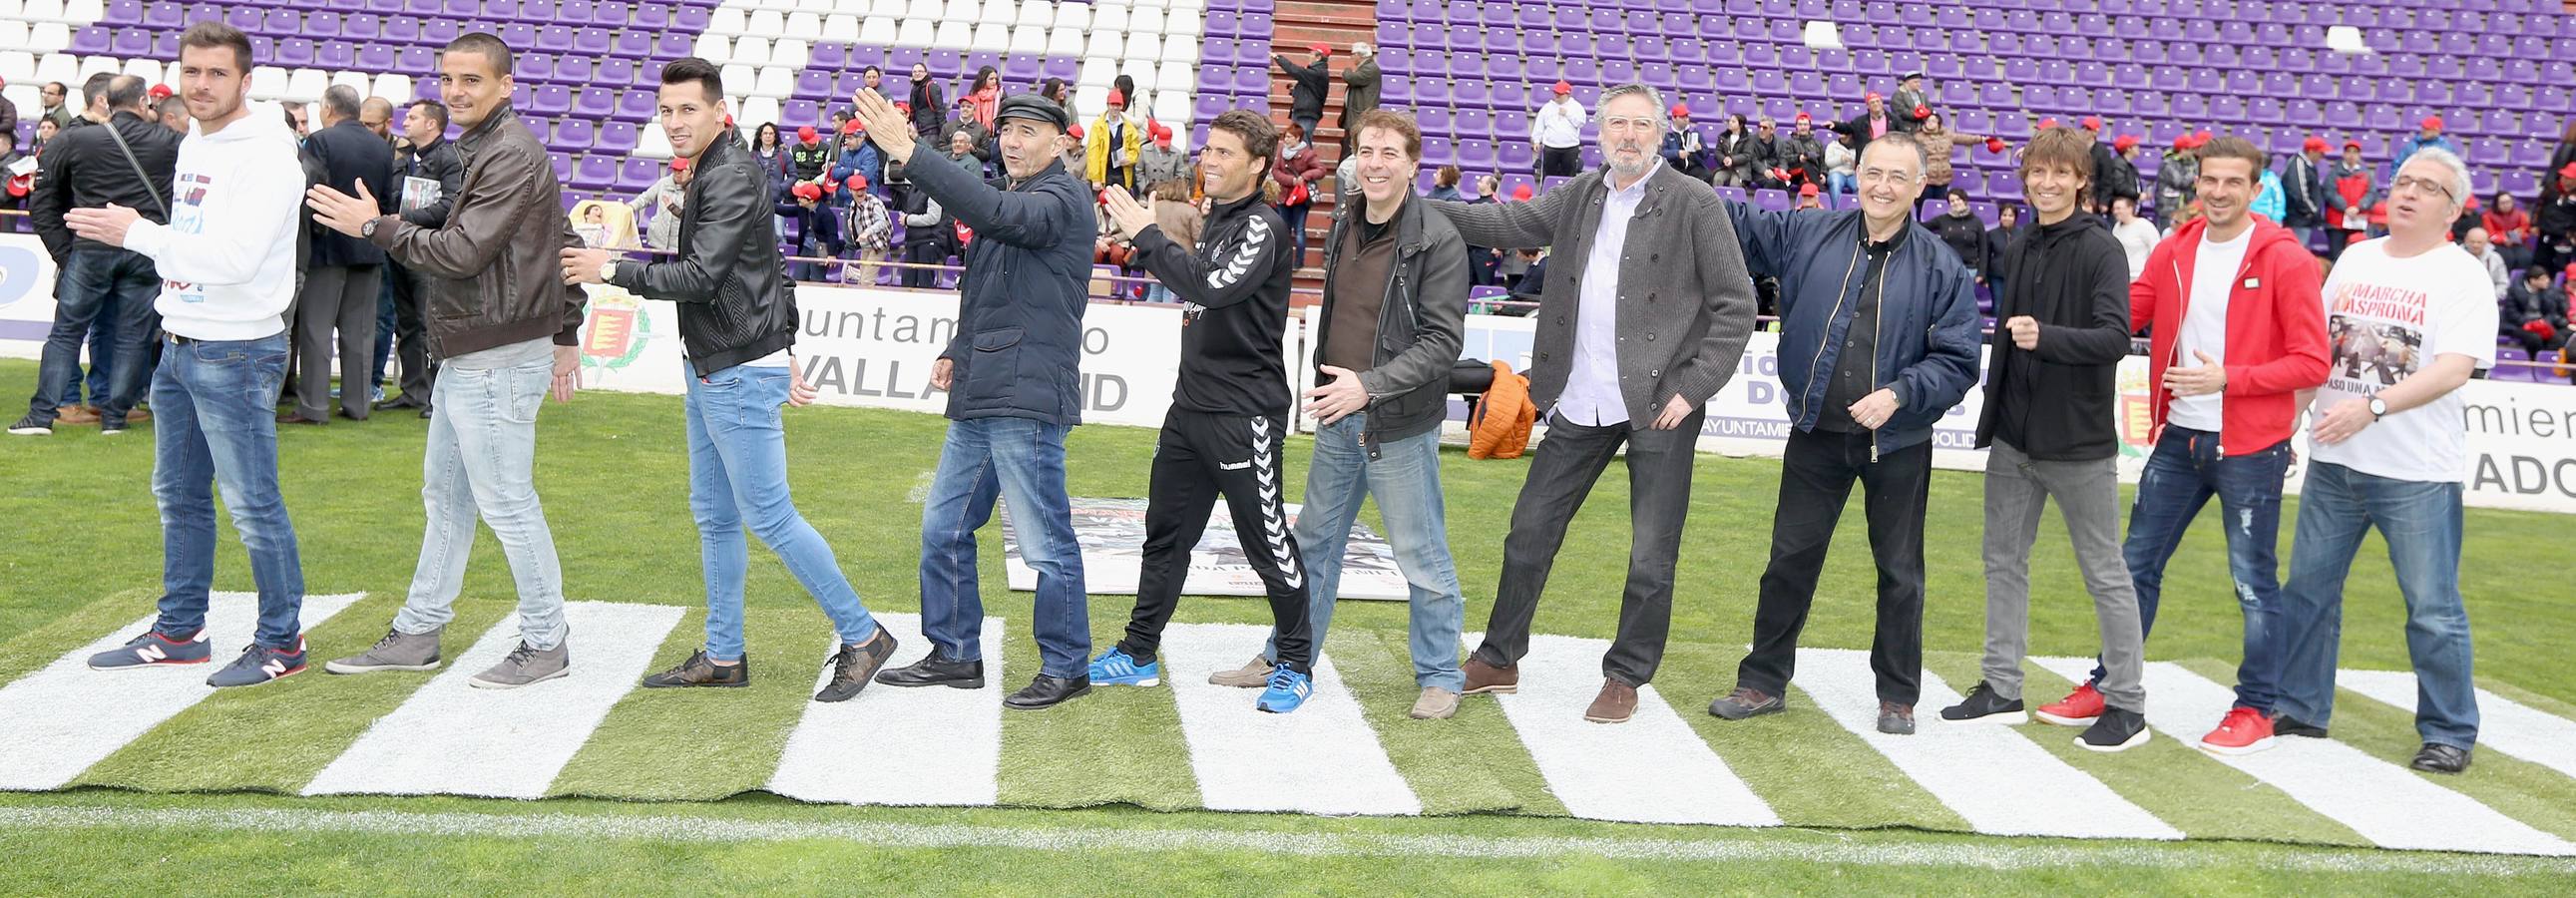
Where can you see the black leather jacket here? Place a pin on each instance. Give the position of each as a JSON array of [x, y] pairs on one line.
[[83, 169], [1419, 326], [736, 303], [439, 163]]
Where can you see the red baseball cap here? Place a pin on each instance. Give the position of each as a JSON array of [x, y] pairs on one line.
[[1523, 193], [159, 92], [806, 133], [1802, 117], [1073, 131], [2432, 123], [2092, 123], [1563, 88], [2124, 142], [1681, 111], [1806, 190], [2351, 144], [858, 182], [2569, 171], [2047, 123], [2313, 142], [679, 163], [1320, 47], [806, 190], [1873, 97], [2202, 136], [854, 126], [1117, 97]]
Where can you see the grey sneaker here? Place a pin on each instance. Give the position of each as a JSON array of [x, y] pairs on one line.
[[526, 664], [1254, 674], [397, 651], [1435, 704]]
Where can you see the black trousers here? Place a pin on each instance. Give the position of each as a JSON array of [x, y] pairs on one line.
[[1816, 475], [1555, 161], [1561, 475], [922, 246], [1199, 459], [411, 335]]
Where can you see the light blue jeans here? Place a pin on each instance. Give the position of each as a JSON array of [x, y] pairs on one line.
[[2421, 521], [985, 459], [738, 480], [1405, 478], [481, 461], [216, 427]]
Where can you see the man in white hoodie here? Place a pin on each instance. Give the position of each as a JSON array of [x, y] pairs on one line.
[[227, 261]]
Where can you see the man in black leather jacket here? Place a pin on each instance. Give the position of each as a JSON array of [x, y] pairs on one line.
[[84, 169]]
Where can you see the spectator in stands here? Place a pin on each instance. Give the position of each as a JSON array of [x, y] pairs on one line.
[[295, 111], [2555, 223], [2269, 198], [2177, 177], [1069, 149], [1841, 161], [173, 112], [929, 234], [1637, 377], [1734, 152], [95, 168], [984, 97], [2305, 198], [1484, 263], [8, 112], [1557, 132], [2350, 192], [2394, 456], [857, 157], [1802, 153], [51, 96], [964, 153], [1299, 175], [2137, 236], [1180, 220], [1934, 133], [1307, 86], [1912, 103], [929, 102], [2007, 227], [979, 134], [17, 186], [1863, 410], [2231, 351], [227, 273], [1872, 124], [2114, 174], [1531, 284], [2511, 228], [1444, 184], [1359, 92], [1114, 146], [1765, 149], [46, 129], [818, 230], [1965, 234], [810, 159], [663, 200], [2428, 135], [1809, 198], [2534, 313], [1161, 162], [2481, 248], [429, 174], [1682, 149], [2051, 397], [377, 115], [871, 231], [1012, 379], [1055, 91], [771, 154], [337, 310]]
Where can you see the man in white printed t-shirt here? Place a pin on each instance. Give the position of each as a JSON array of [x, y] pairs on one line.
[[2391, 451]]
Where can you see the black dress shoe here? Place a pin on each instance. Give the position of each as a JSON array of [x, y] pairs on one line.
[[400, 402], [1048, 691], [933, 670], [298, 418], [2434, 758], [424, 413], [2292, 726]]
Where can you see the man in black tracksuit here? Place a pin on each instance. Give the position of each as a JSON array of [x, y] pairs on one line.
[[426, 155], [1229, 415]]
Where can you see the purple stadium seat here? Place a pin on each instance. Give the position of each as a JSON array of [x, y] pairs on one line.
[[594, 173], [636, 104], [550, 99], [293, 52], [165, 15], [616, 137]]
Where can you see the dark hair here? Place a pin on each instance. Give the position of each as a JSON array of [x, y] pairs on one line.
[[1447, 176], [486, 45], [1400, 123], [94, 90], [690, 68], [877, 69], [436, 111], [983, 73], [211, 34], [2537, 273], [2060, 145], [769, 130], [2008, 209], [1053, 89], [1958, 194], [2503, 195], [125, 92], [2234, 147], [1260, 138], [1126, 85]]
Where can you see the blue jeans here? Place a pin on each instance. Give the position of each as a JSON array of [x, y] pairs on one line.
[[983, 459], [2421, 522], [1405, 479], [738, 479], [480, 460], [217, 427], [386, 324], [2183, 474], [1839, 182], [114, 290]]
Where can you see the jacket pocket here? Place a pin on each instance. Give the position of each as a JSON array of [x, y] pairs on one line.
[[993, 368]]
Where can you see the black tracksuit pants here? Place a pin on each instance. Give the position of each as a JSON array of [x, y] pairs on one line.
[[1200, 458], [1817, 471]]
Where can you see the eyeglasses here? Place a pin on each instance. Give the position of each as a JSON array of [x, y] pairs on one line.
[[1630, 124], [1887, 176], [2419, 185]]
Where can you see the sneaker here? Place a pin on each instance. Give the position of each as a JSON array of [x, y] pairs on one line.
[[1435, 704], [2286, 725], [2077, 709], [1287, 692], [854, 666], [260, 664], [699, 670], [1747, 702], [153, 648], [1983, 703], [2243, 731], [525, 665], [2434, 758], [110, 428], [1895, 719], [1116, 668], [2115, 730], [1254, 674], [1486, 679], [31, 426], [397, 651]]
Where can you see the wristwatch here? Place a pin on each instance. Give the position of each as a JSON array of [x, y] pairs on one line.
[[368, 231], [608, 271], [2378, 408]]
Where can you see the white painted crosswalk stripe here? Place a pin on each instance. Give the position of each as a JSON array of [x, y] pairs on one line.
[[451, 738], [1992, 775], [60, 720], [2391, 806], [2504, 725], [1652, 769], [1321, 759], [961, 730]]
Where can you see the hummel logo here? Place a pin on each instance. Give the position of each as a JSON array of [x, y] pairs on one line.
[[1237, 466]]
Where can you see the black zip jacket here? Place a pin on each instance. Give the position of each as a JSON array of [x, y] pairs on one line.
[[1965, 235], [1236, 287], [438, 162], [81, 169], [2055, 403], [1419, 326], [736, 304]]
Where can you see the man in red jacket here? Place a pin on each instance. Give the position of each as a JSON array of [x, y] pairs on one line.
[[2238, 330]]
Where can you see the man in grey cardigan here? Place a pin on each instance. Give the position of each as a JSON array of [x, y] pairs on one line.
[[1644, 317]]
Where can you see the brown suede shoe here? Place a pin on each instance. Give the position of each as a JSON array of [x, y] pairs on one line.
[[1486, 679], [1615, 703], [76, 415], [137, 415]]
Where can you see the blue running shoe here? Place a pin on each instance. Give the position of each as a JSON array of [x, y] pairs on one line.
[[152, 649], [260, 664], [1115, 668], [1287, 692]]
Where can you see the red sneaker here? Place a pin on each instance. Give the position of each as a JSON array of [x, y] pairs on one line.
[[2243, 732], [2077, 709]]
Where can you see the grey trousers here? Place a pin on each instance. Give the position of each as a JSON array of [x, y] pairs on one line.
[[337, 299], [2018, 488]]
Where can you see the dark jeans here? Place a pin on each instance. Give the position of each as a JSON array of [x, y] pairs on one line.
[[386, 323], [1561, 475], [102, 365], [921, 248], [1816, 473], [2421, 524], [2182, 475], [983, 460], [411, 332], [216, 434], [117, 286], [1556, 161]]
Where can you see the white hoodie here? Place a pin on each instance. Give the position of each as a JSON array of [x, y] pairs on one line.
[[227, 257]]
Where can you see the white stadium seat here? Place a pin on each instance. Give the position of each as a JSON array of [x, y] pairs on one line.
[[916, 33], [1028, 40], [713, 47], [757, 110], [267, 82], [306, 85], [727, 20], [999, 12], [1181, 48], [1097, 72], [737, 75], [13, 10], [967, 11], [62, 67], [1105, 43], [991, 38], [13, 34], [356, 81], [43, 11], [1145, 21], [651, 143], [1180, 24], [397, 87], [147, 69], [841, 29], [877, 30], [791, 52], [751, 50], [1174, 77], [804, 25], [766, 23], [1144, 46], [1062, 41], [954, 35], [1093, 98], [925, 10], [48, 37], [1036, 12], [1139, 70], [1173, 106], [1076, 16], [93, 65], [775, 81], [889, 10], [83, 12], [1112, 19], [26, 95], [18, 67], [818, 7]]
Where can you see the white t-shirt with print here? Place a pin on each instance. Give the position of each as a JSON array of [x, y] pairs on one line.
[[2204, 326], [2387, 318]]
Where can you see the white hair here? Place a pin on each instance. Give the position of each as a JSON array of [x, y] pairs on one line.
[[1654, 99], [2459, 172]]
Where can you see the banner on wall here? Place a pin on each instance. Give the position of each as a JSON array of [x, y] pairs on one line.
[[1112, 535]]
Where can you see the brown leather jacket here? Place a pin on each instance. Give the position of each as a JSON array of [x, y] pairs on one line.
[[494, 273]]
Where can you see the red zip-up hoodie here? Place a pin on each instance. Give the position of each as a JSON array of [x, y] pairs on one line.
[[2276, 331]]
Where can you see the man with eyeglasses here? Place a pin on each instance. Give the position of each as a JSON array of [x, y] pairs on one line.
[[1643, 317], [1878, 340], [2236, 332], [2394, 457]]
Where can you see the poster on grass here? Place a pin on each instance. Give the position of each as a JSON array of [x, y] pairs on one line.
[[1112, 535]]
